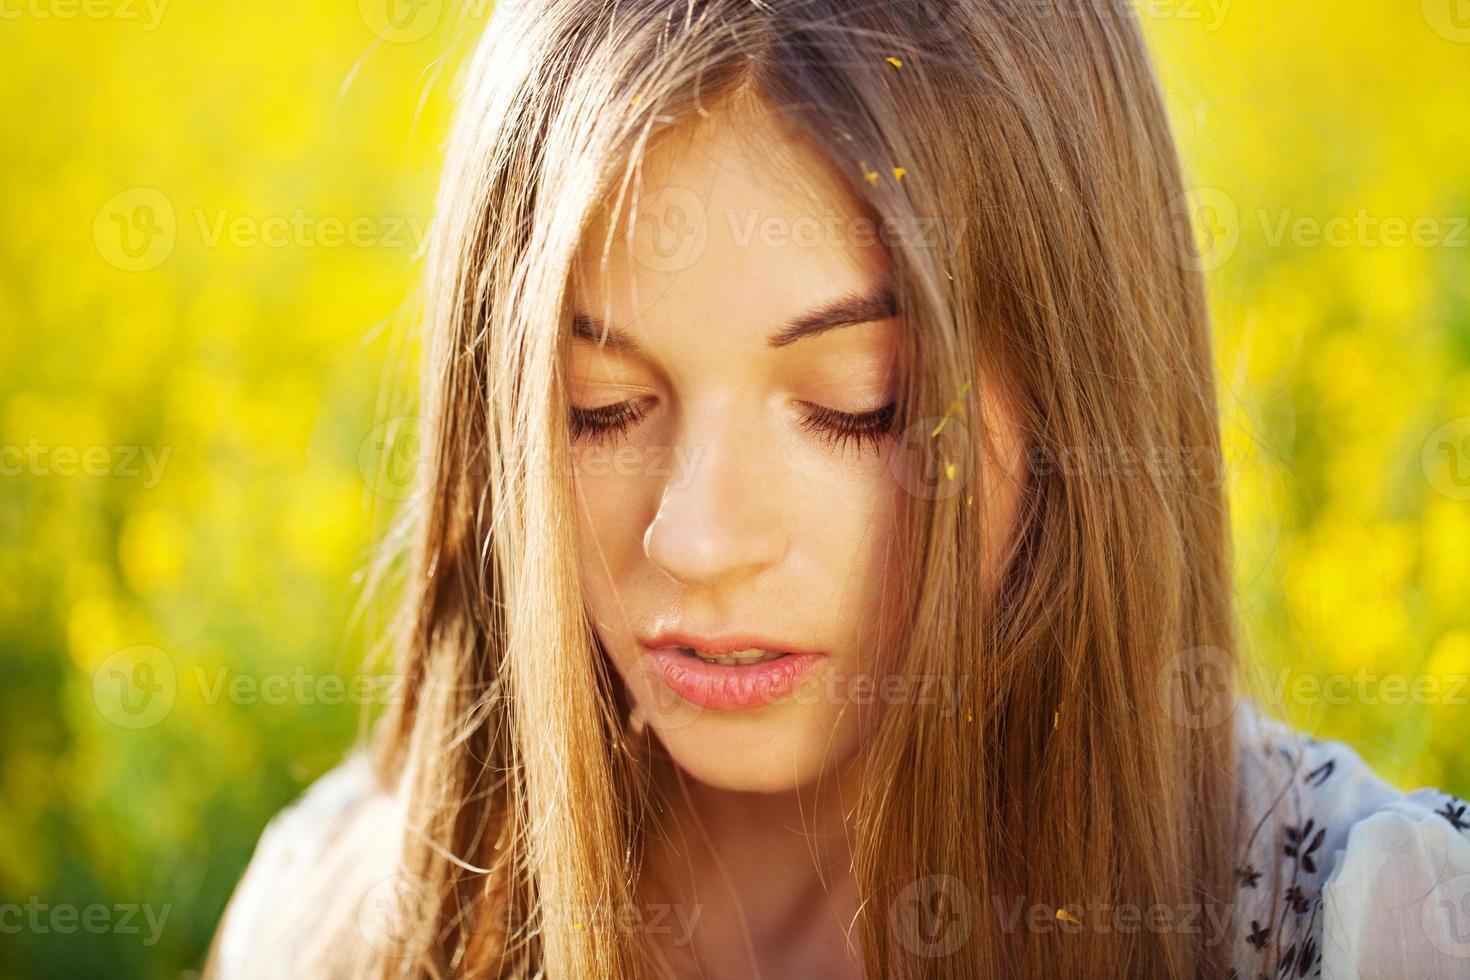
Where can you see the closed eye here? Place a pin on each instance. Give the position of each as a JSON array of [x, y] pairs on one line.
[[838, 429], [606, 422]]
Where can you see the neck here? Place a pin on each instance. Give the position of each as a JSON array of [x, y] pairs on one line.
[[758, 876]]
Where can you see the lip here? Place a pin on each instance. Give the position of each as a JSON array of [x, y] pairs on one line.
[[727, 688]]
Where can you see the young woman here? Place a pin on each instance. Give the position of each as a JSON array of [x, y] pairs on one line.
[[822, 565]]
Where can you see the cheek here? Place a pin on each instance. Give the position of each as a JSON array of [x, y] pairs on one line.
[[609, 530], [845, 518]]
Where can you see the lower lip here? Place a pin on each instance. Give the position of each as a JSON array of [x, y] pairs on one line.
[[730, 688]]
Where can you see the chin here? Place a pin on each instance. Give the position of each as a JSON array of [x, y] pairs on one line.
[[754, 752]]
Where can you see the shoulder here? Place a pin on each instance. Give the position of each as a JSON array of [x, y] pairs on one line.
[[315, 862], [1397, 902], [1341, 874]]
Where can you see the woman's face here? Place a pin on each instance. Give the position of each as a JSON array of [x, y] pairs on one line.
[[732, 440]]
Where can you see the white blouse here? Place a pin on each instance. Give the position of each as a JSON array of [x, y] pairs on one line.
[[1342, 877], [1372, 883]]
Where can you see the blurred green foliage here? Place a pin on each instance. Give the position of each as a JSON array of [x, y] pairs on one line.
[[1331, 187], [214, 215]]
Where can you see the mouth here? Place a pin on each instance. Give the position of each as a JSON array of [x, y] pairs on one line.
[[737, 658], [729, 673]]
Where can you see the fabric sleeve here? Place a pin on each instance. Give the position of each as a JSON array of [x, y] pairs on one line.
[[1397, 901], [336, 840]]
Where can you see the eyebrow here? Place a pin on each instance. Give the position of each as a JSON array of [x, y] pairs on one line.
[[849, 311]]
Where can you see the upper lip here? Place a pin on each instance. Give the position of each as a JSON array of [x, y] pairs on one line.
[[721, 644]]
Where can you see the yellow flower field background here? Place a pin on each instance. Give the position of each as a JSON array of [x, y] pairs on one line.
[[215, 213]]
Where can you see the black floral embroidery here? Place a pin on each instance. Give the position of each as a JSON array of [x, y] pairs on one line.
[[1312, 785], [1301, 844], [1321, 774], [1248, 876], [1298, 959], [1454, 814]]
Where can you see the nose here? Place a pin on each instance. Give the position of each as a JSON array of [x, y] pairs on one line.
[[720, 517]]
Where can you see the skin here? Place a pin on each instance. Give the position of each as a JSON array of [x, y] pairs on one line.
[[727, 514]]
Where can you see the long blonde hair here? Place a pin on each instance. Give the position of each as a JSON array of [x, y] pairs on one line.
[[1037, 160]]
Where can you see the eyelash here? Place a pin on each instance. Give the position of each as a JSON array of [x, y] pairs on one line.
[[840, 428], [837, 429], [607, 422]]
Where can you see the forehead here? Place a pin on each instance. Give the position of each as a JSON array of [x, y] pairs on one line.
[[732, 219]]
